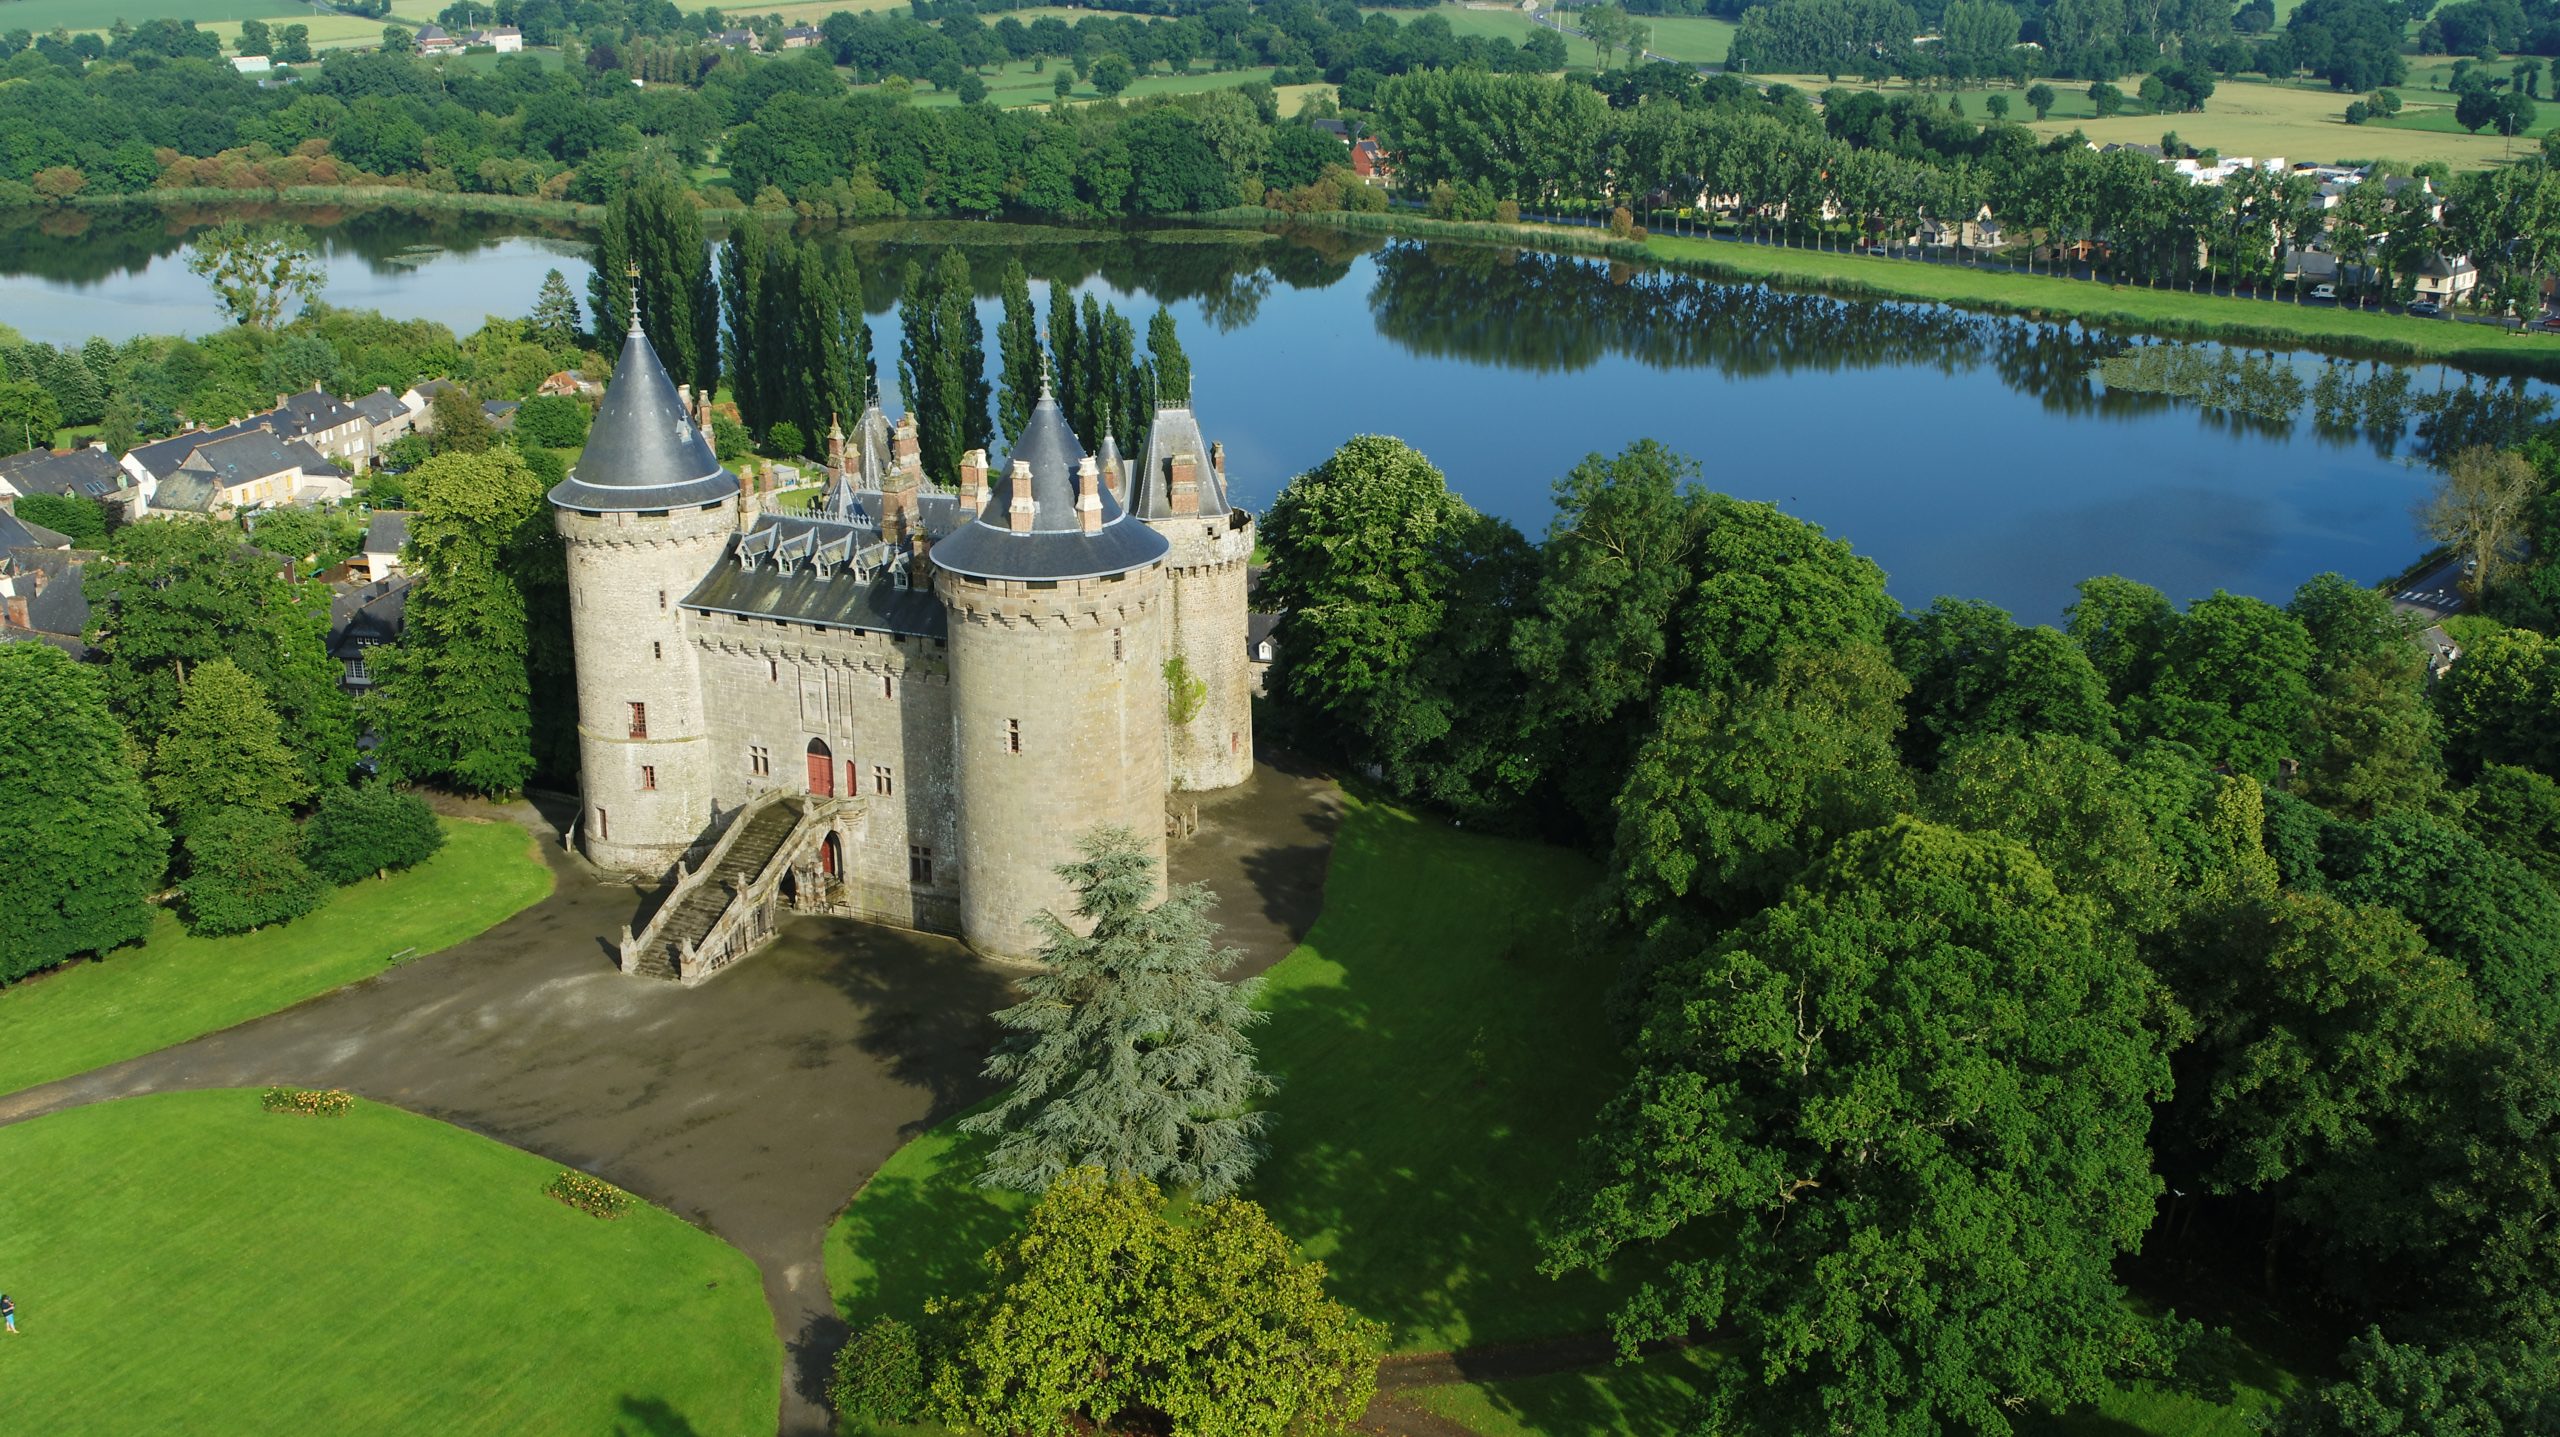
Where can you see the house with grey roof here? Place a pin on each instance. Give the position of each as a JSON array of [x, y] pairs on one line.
[[386, 415], [41, 598], [253, 469], [384, 539], [86, 473], [362, 618], [335, 428]]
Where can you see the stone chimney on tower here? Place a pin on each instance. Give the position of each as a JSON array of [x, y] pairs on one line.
[[1218, 460], [1025, 508], [973, 480], [1183, 493], [835, 446], [1088, 495], [904, 448]]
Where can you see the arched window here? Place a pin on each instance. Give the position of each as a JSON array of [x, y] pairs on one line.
[[822, 769]]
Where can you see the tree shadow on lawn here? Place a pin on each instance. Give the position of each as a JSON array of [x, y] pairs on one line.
[[1441, 1050], [926, 1004], [650, 1417], [1659, 1395], [920, 1229]]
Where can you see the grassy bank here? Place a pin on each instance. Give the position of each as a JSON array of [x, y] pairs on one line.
[[1439, 1050], [2112, 306], [187, 1262], [177, 986]]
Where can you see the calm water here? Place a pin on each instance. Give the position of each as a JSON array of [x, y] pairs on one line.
[[1967, 455]]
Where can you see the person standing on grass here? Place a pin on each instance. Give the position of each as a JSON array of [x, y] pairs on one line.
[[9, 1313]]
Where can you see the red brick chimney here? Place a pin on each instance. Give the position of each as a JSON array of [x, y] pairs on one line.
[[1184, 493], [1025, 508], [1088, 495]]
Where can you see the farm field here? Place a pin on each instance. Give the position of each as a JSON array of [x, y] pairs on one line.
[[188, 1262], [1015, 85], [1465, 20], [2244, 117], [1692, 39], [176, 986]]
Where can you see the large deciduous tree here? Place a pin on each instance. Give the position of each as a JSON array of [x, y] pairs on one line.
[[257, 269], [184, 594], [367, 831], [1128, 1053], [458, 701], [1913, 1097], [2478, 511], [223, 750], [245, 871], [1102, 1307], [84, 851]]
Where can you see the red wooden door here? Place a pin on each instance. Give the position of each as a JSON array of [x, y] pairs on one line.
[[822, 771]]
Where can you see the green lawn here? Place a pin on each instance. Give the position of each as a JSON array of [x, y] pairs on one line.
[[1654, 1396], [41, 16], [1693, 39], [187, 1262], [176, 986], [1465, 21], [1014, 85], [1439, 1049]]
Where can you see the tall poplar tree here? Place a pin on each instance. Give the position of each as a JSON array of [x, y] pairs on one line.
[[942, 365], [1128, 1053], [1095, 389], [743, 279], [1066, 349], [654, 227], [84, 851], [1018, 343], [1164, 355]]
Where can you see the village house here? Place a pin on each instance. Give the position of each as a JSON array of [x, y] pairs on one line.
[[506, 39], [569, 384], [384, 538], [433, 40], [334, 428], [88, 473], [363, 618], [252, 64], [2445, 279], [386, 416], [253, 469], [1369, 162], [802, 37], [734, 39], [41, 599]]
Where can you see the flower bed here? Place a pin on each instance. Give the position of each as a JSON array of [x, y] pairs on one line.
[[307, 1102], [590, 1195]]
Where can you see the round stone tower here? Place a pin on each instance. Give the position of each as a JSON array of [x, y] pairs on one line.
[[1180, 491], [644, 515], [1057, 606]]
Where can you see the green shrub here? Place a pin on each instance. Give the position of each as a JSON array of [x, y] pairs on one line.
[[880, 1375], [360, 832], [245, 871], [77, 517], [589, 1194], [552, 421], [307, 1102]]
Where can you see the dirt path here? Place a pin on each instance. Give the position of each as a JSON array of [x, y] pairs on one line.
[[756, 1104]]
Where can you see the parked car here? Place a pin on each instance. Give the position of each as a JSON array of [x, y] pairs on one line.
[[2550, 323], [2324, 291], [2425, 308]]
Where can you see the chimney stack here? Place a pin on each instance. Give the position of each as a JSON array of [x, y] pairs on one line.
[[835, 445], [1025, 508], [903, 447], [1088, 495], [1184, 493], [1218, 458]]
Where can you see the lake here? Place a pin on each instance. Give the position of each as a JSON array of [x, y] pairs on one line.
[[1969, 455]]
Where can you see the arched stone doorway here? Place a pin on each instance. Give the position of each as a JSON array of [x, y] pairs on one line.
[[831, 857], [822, 769]]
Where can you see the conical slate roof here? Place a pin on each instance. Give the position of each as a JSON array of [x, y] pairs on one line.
[[644, 453], [1056, 546], [1176, 431]]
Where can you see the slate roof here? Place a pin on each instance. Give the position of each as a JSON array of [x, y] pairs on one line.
[[188, 491], [310, 411], [1056, 546], [161, 457], [643, 451], [1258, 627], [255, 454], [388, 533], [380, 407], [62, 608], [368, 614], [89, 473], [17, 533], [802, 570], [1176, 432]]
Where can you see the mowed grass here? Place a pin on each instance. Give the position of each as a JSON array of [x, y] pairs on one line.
[[1440, 1049], [176, 986], [1690, 39], [1658, 1395], [187, 1262], [2245, 118]]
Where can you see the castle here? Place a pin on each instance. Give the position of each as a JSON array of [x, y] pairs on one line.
[[907, 703]]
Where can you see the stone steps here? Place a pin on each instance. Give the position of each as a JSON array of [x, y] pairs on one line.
[[706, 898]]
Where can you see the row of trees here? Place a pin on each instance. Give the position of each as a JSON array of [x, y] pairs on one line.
[[1878, 173], [1936, 931]]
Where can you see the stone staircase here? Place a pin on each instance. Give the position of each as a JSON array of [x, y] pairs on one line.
[[702, 898]]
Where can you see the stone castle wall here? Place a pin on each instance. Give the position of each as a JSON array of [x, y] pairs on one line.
[[646, 798], [1214, 748], [878, 706], [1058, 713]]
